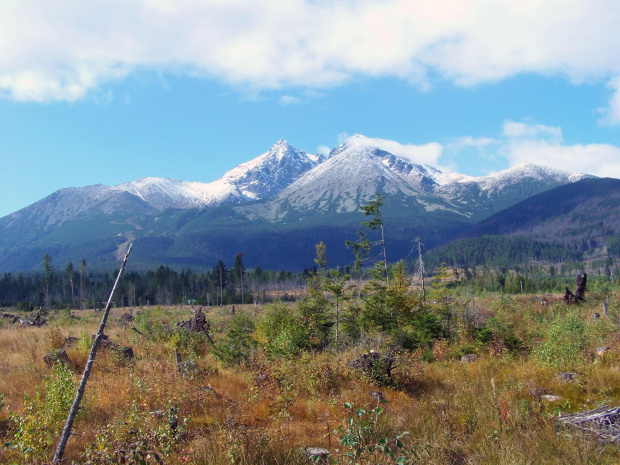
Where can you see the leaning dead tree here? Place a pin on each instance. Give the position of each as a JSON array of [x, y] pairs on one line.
[[66, 432], [580, 291]]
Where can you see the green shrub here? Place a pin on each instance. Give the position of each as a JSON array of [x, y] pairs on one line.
[[465, 350], [280, 331], [496, 327], [138, 437], [565, 342], [151, 327], [84, 343], [349, 322], [188, 342], [44, 415], [362, 442], [483, 335], [236, 346]]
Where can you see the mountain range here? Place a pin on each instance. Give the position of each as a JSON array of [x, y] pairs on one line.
[[273, 209]]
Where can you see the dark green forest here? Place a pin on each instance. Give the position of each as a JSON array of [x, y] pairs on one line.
[[76, 286]]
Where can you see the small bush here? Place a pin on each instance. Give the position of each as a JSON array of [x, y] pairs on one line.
[[565, 342], [236, 346], [57, 341], [280, 331], [151, 328], [140, 437], [44, 415], [84, 343], [362, 441], [464, 350], [188, 342]]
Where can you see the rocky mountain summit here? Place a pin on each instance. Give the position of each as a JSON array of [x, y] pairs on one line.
[[282, 188]]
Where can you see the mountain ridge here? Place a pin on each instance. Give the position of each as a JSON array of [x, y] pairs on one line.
[[282, 190]]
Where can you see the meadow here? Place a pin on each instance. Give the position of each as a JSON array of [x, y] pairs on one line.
[[274, 381]]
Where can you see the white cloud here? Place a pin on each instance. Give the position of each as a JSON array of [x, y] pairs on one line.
[[63, 50], [516, 129], [536, 143], [289, 100], [324, 149], [543, 145], [424, 154], [612, 112], [599, 159], [469, 141]]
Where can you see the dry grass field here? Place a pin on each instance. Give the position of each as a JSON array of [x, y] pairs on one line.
[[267, 408]]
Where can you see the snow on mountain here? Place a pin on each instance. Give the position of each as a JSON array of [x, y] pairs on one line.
[[262, 177], [529, 171], [353, 173], [61, 206], [163, 193], [360, 167]]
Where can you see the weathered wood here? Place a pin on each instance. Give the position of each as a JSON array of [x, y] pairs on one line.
[[568, 296], [134, 328], [317, 455], [66, 432], [603, 423], [567, 376], [197, 324], [373, 363], [57, 356], [581, 287], [38, 320], [127, 352], [187, 369]]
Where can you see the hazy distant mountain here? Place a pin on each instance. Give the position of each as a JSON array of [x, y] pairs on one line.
[[573, 221], [273, 208], [574, 214]]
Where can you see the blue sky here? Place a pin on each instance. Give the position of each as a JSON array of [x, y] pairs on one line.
[[113, 91]]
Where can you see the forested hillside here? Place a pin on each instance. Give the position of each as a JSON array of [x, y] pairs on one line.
[[580, 216]]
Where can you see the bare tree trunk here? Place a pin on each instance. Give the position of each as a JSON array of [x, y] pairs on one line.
[[421, 271], [66, 432], [385, 265]]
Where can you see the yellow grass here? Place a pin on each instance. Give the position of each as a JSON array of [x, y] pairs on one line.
[[266, 411]]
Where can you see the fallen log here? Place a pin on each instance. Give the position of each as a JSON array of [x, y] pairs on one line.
[[38, 320], [602, 422]]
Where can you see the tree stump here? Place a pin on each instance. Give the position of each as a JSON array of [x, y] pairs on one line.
[[581, 287], [57, 356], [197, 324], [127, 352], [375, 365]]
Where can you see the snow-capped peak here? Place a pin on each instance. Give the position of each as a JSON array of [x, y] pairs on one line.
[[262, 177]]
